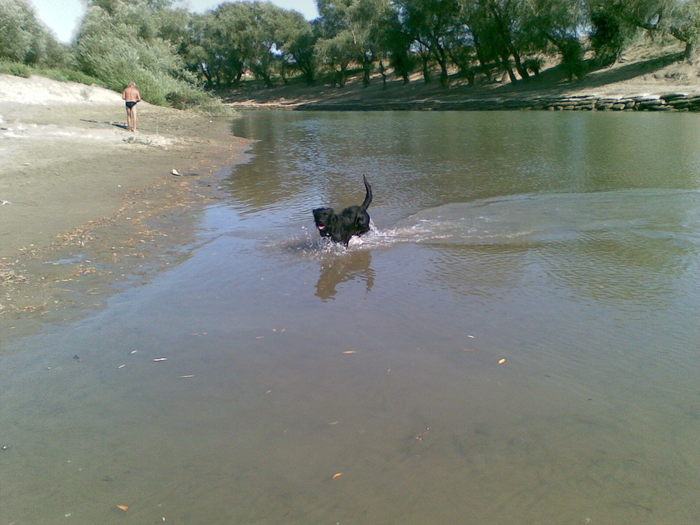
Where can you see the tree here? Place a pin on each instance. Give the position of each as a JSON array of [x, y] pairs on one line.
[[433, 24], [679, 18], [261, 20], [336, 52], [558, 22], [118, 43], [24, 39], [396, 42], [352, 29], [684, 24], [297, 40], [609, 33], [225, 47], [335, 46], [507, 33]]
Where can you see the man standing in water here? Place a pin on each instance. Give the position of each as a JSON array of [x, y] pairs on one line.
[[132, 96]]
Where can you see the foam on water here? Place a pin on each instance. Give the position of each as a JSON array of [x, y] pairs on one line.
[[543, 218], [673, 215]]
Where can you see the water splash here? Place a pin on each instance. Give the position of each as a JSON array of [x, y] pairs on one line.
[[547, 218]]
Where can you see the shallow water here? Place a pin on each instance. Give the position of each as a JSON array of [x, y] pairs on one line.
[[565, 244]]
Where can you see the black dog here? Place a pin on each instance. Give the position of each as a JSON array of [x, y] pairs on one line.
[[353, 220]]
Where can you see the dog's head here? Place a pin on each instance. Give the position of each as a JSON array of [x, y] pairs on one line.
[[323, 217]]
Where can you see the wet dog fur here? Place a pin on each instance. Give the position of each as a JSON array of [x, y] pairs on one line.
[[340, 227]]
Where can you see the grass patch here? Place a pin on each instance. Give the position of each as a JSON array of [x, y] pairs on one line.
[[15, 68]]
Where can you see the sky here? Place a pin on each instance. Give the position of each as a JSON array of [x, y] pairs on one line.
[[63, 17]]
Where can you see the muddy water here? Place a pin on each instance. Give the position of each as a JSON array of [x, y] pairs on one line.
[[515, 341]]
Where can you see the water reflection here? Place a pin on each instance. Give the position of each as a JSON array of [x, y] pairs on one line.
[[337, 269]]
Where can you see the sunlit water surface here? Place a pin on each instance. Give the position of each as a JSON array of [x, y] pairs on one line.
[[515, 342]]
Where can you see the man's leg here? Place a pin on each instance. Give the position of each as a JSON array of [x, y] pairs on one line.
[[128, 118]]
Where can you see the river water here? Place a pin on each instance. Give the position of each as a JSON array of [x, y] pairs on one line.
[[515, 342]]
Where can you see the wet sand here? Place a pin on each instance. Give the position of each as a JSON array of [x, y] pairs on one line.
[[85, 203]]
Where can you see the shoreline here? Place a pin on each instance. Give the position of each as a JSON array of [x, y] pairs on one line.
[[644, 79], [584, 100], [87, 204], [588, 102]]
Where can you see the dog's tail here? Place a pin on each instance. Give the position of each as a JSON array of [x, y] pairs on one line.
[[368, 197]]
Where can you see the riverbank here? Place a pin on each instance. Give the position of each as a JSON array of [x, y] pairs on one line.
[[646, 78], [85, 203]]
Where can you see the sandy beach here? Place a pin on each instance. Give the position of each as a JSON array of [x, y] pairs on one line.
[[84, 202]]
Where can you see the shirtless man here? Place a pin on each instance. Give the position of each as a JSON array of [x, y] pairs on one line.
[[132, 96]]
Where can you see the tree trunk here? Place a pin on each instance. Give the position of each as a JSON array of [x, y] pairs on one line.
[[480, 58], [507, 43], [366, 70], [519, 65], [444, 74], [692, 52], [382, 72], [505, 62], [426, 69]]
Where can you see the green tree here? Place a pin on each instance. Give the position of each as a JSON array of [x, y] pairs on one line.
[[24, 39], [297, 41], [352, 31], [558, 22], [434, 25], [225, 48], [679, 18], [336, 53], [609, 33], [262, 21], [396, 42], [507, 33], [118, 43], [684, 24], [248, 36]]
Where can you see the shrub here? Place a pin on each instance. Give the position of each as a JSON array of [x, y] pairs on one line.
[[15, 68]]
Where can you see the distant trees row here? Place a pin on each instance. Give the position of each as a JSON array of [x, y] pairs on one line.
[[472, 37], [170, 52]]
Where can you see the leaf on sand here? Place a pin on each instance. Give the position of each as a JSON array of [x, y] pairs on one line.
[[350, 352], [123, 508], [337, 475], [502, 361]]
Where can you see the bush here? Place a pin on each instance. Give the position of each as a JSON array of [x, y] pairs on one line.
[[118, 53], [67, 75], [572, 59], [15, 68], [186, 98], [609, 36]]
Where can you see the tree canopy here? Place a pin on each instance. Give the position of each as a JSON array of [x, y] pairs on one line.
[[173, 53]]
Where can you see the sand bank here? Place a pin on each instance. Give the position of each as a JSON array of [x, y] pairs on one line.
[[83, 201]]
